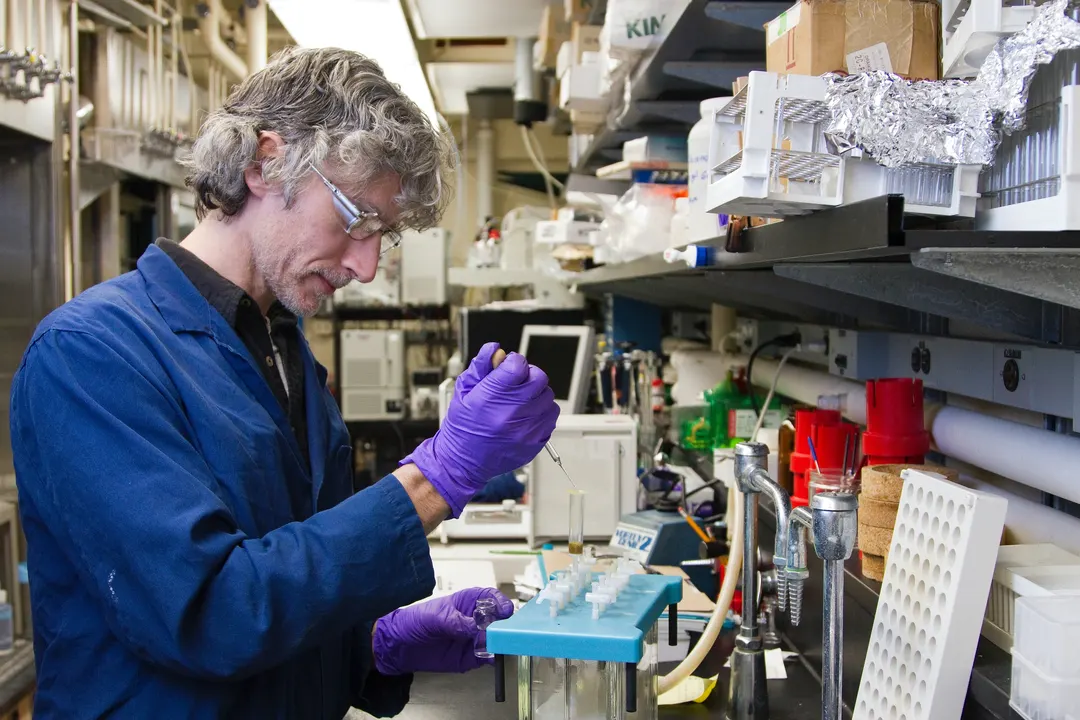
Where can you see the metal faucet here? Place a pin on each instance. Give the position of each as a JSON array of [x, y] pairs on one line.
[[749, 699], [833, 520]]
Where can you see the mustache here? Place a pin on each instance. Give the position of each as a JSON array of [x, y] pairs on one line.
[[337, 278]]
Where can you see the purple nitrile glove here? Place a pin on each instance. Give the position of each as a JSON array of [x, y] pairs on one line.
[[498, 421], [435, 636]]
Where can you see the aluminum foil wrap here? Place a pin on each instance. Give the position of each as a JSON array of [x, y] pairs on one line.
[[903, 122]]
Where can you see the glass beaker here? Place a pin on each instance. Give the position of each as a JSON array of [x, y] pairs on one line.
[[484, 615], [832, 481]]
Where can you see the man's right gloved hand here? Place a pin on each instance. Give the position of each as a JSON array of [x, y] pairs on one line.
[[498, 420]]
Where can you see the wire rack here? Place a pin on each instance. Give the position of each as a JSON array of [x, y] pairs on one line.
[[787, 109], [788, 164]]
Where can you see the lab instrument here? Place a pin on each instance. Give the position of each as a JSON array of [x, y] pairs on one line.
[[586, 646], [597, 451], [424, 261], [372, 374]]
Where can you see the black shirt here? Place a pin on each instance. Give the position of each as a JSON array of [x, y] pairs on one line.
[[259, 334]]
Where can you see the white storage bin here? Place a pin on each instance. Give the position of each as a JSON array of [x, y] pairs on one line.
[[1007, 585], [1048, 634], [971, 28], [1037, 696]]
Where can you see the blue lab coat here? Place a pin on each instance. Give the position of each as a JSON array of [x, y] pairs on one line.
[[184, 562]]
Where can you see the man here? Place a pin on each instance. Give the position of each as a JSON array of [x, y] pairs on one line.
[[194, 546]]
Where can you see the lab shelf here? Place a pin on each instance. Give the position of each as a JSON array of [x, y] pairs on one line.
[[710, 46], [870, 265]]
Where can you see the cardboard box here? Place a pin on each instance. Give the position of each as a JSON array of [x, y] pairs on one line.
[[579, 10], [554, 31], [820, 36]]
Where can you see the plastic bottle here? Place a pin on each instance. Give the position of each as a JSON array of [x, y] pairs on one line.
[[700, 224], [7, 628]]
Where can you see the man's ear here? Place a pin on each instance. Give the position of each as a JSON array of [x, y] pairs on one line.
[[271, 145]]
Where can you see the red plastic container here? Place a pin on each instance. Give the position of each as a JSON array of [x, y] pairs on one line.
[[829, 433], [895, 430]]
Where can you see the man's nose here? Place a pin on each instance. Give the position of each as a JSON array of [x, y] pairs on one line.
[[362, 258]]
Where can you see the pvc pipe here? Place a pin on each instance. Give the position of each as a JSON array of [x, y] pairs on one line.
[[174, 95], [209, 28], [485, 170], [41, 42], [256, 36], [806, 385], [1029, 522], [1028, 455]]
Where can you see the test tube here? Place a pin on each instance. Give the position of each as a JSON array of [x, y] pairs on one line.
[[577, 522]]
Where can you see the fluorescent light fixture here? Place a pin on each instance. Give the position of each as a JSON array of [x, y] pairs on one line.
[[376, 28]]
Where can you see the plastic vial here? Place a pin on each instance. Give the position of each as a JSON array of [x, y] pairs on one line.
[[484, 615], [577, 522], [7, 633]]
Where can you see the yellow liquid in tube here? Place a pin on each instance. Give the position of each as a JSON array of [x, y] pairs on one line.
[[577, 522]]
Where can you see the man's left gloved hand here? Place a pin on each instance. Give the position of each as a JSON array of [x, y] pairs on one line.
[[435, 636]]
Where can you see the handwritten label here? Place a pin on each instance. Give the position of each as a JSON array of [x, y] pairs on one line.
[[871, 59]]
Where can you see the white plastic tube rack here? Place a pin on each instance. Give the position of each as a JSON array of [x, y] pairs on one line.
[[949, 190], [768, 158], [1050, 175], [971, 28], [767, 153]]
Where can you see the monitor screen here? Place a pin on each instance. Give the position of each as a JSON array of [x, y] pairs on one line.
[[482, 325], [555, 355]]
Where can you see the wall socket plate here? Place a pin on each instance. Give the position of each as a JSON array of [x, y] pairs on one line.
[[1028, 377]]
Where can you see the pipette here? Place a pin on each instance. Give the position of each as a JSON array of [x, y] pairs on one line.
[[496, 359], [558, 461]]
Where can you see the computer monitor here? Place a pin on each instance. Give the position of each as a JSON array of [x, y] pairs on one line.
[[566, 353]]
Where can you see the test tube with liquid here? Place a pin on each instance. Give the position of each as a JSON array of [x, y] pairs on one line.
[[577, 522]]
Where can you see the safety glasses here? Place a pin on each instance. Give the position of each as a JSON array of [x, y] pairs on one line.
[[361, 224]]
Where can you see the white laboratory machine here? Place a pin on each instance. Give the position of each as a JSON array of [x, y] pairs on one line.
[[383, 290], [423, 267], [598, 451], [372, 374]]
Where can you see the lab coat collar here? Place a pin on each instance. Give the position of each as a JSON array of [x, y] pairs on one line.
[[181, 305]]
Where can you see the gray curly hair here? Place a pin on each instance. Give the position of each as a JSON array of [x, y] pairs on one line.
[[329, 106]]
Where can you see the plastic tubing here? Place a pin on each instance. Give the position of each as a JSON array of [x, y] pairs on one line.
[[576, 537], [723, 603]]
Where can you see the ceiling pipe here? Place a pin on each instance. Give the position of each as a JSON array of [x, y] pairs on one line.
[[209, 28], [255, 13]]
